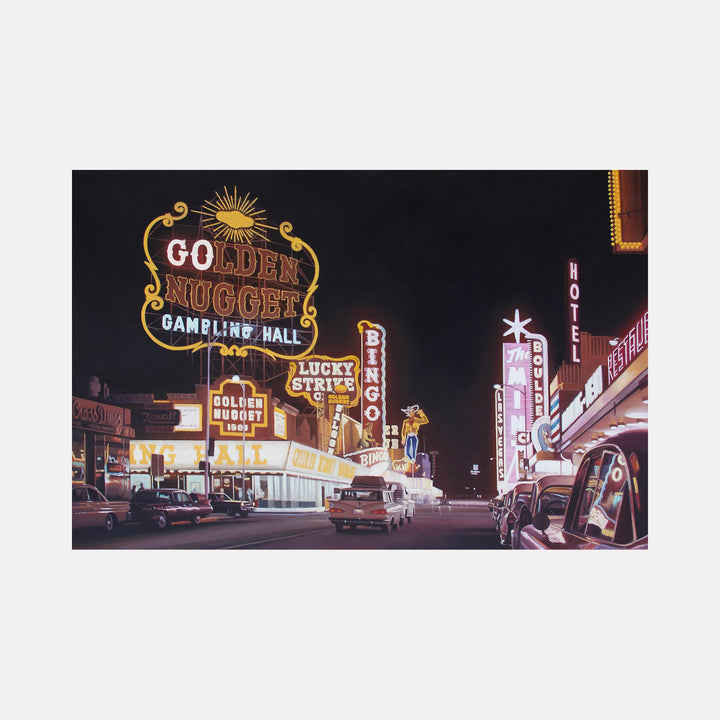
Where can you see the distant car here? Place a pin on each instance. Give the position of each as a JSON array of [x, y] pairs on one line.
[[514, 500], [222, 503], [366, 506], [164, 506], [550, 494], [401, 494], [443, 501], [608, 506], [91, 509]]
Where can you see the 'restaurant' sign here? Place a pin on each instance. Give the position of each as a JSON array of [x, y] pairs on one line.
[[223, 272], [239, 408], [634, 342]]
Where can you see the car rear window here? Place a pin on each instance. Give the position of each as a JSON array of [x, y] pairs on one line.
[[366, 495], [554, 499]]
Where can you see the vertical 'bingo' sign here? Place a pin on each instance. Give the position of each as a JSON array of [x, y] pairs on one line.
[[373, 382]]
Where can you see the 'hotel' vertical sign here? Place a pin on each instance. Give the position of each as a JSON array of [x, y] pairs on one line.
[[573, 307]]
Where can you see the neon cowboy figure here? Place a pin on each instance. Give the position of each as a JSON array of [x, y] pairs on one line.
[[415, 418]]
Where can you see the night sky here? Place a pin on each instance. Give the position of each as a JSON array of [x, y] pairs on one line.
[[438, 258]]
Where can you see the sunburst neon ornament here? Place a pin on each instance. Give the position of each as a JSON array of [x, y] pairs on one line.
[[234, 219]]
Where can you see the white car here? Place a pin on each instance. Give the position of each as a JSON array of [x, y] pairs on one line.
[[366, 506], [401, 494]]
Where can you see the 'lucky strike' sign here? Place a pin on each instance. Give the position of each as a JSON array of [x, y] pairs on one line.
[[222, 275], [239, 408], [373, 383], [322, 380]]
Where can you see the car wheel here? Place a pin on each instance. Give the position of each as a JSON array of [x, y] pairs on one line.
[[338, 527], [386, 528], [195, 519], [409, 518], [402, 521], [394, 526], [244, 514], [162, 521], [110, 522], [230, 513]]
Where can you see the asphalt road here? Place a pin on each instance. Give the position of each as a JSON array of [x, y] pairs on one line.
[[434, 528]]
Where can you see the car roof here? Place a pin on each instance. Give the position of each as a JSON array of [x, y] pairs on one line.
[[546, 480]]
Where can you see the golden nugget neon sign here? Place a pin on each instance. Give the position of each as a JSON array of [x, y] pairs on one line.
[[228, 273]]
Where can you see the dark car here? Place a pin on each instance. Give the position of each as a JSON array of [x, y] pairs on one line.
[[164, 506], [222, 503], [608, 506], [550, 495], [512, 505]]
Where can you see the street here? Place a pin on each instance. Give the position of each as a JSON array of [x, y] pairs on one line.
[[454, 527]]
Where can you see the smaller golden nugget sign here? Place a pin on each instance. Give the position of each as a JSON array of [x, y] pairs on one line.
[[239, 408], [322, 380]]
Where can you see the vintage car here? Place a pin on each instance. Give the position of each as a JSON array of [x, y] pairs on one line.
[[401, 494], [550, 494], [514, 500], [164, 506], [366, 506], [91, 509], [608, 505], [222, 503], [495, 507]]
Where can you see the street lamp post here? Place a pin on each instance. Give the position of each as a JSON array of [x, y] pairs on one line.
[[236, 378]]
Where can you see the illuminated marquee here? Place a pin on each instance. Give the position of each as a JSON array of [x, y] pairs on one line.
[[583, 400], [230, 274], [322, 380], [373, 383], [238, 408]]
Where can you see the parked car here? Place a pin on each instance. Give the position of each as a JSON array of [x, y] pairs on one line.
[[608, 506], [164, 506], [91, 509], [550, 494], [497, 509], [518, 496], [366, 506], [222, 503]]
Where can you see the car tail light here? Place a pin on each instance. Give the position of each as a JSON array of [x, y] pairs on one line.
[[381, 511], [335, 510]]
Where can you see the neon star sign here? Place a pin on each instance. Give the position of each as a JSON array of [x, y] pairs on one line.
[[517, 326]]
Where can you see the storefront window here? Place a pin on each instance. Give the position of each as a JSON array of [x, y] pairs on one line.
[[112, 466], [78, 456]]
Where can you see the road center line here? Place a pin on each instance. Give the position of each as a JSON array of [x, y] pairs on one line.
[[273, 539]]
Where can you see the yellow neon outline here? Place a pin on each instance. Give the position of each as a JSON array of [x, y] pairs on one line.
[[153, 299], [321, 358], [239, 433], [616, 239]]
